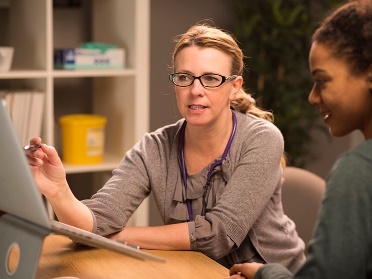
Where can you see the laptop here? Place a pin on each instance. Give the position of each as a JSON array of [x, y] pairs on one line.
[[20, 197]]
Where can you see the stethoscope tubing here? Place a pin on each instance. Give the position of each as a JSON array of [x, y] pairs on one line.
[[211, 169]]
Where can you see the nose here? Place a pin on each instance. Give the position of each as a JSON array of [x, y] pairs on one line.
[[196, 87], [314, 96]]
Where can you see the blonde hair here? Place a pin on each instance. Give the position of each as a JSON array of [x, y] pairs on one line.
[[203, 35]]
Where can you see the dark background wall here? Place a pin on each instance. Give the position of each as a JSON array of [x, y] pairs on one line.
[[168, 19]]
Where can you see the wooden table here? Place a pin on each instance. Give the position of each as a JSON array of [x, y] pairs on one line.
[[60, 258]]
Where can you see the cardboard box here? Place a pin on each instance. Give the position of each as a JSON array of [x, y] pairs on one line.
[[81, 58]]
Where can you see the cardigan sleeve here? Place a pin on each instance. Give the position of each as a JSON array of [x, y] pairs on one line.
[[142, 170], [273, 270]]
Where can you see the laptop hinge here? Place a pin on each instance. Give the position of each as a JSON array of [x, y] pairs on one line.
[[20, 247]]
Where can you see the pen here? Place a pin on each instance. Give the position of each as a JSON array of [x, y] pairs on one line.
[[31, 147]]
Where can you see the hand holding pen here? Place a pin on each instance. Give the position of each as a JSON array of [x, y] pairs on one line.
[[46, 167], [33, 155]]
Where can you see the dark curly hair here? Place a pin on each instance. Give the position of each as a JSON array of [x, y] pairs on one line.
[[348, 32]]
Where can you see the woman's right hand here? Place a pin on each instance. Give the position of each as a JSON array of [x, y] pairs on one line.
[[47, 168], [50, 177]]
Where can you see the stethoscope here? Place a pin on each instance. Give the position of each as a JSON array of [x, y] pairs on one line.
[[211, 169]]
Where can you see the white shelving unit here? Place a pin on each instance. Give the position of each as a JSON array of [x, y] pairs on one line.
[[34, 28]]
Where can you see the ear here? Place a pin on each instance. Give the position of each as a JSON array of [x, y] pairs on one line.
[[369, 77], [236, 86]]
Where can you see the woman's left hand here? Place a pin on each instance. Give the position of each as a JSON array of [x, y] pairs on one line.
[[244, 270]]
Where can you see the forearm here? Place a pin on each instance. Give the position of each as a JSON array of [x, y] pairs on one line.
[[71, 211], [168, 237]]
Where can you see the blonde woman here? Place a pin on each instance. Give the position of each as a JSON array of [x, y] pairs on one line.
[[215, 174]]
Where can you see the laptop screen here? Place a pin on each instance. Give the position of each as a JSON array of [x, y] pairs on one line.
[[18, 193]]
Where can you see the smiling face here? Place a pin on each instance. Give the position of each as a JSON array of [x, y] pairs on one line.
[[199, 105], [344, 99]]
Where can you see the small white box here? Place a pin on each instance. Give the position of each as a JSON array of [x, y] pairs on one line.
[[82, 58]]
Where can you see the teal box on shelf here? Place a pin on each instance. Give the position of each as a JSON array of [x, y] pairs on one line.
[[84, 58]]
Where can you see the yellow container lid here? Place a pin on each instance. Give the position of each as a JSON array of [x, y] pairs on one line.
[[83, 119]]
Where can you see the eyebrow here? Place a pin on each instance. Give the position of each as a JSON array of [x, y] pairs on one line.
[[316, 71], [192, 74]]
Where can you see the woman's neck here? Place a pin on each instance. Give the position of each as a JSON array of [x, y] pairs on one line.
[[204, 144]]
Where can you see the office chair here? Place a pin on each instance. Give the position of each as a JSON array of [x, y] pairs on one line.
[[302, 193]]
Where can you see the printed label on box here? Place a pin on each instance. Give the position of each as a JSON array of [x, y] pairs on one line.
[[95, 142]]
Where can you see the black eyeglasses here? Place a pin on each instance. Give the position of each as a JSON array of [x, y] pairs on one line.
[[206, 80]]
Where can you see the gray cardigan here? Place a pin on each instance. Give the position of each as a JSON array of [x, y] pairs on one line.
[[244, 219]]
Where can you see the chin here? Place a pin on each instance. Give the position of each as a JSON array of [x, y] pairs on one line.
[[338, 133]]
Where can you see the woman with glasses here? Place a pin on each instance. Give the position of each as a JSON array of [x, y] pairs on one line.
[[341, 65], [215, 174]]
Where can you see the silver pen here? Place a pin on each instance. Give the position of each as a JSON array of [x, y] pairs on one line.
[[31, 147]]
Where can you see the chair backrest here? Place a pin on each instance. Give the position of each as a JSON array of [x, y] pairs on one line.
[[302, 193]]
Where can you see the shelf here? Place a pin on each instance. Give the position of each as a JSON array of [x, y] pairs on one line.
[[22, 74], [34, 28], [93, 73], [109, 163]]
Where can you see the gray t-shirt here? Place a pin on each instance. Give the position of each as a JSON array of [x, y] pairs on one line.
[[244, 219]]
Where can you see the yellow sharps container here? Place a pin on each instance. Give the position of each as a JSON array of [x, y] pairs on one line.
[[83, 137]]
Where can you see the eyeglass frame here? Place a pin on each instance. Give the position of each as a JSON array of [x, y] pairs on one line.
[[224, 79]]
